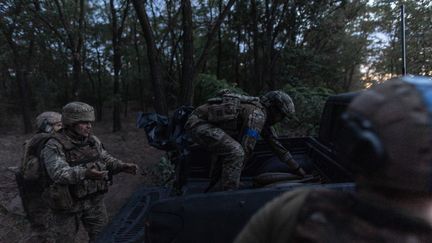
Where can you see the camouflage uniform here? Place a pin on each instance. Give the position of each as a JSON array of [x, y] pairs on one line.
[[71, 195], [306, 215], [62, 162], [229, 127], [47, 121], [388, 143], [32, 188]]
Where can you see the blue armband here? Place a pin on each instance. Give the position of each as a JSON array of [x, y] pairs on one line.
[[252, 133]]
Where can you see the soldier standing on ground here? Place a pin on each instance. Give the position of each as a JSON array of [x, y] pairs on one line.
[[77, 171], [388, 133], [229, 126], [28, 178]]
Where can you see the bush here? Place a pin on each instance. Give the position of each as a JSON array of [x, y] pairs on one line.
[[206, 87], [309, 103], [160, 174]]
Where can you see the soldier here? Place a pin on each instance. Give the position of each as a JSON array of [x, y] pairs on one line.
[[77, 170], [29, 185], [230, 125], [48, 122], [388, 140]]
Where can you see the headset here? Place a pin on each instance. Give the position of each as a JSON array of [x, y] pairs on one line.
[[46, 126], [359, 142]]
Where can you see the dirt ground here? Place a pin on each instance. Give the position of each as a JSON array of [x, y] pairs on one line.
[[129, 145]]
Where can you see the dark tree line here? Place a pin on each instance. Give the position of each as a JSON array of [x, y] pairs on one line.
[[134, 54]]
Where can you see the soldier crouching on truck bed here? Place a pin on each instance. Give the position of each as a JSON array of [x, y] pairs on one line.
[[388, 141], [77, 169], [229, 126]]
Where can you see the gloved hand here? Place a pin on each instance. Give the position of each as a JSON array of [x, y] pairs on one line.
[[299, 171], [94, 174], [130, 168], [293, 165]]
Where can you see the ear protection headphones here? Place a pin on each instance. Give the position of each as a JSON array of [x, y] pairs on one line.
[[360, 144], [46, 126], [358, 141]]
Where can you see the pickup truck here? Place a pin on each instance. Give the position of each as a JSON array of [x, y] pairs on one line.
[[153, 215]]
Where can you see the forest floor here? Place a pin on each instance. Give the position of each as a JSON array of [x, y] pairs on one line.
[[129, 145]]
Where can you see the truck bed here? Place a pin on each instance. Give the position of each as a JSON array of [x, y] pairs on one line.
[[153, 216], [198, 216]]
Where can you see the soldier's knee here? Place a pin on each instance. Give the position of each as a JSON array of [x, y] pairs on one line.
[[238, 152]]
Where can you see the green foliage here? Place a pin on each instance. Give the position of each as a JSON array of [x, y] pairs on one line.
[[159, 174], [302, 43], [309, 103], [206, 87]]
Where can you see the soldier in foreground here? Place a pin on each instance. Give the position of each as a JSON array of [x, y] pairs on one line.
[[229, 126], [388, 141], [28, 181], [77, 173]]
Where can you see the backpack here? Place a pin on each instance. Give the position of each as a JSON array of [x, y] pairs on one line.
[[31, 168], [30, 178], [226, 106]]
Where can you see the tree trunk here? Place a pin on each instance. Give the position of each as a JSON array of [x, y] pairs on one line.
[[203, 57], [268, 48], [188, 65], [155, 69], [219, 50], [140, 72], [76, 74], [23, 89], [126, 99], [21, 64], [99, 106], [237, 60], [77, 58], [257, 70], [117, 66]]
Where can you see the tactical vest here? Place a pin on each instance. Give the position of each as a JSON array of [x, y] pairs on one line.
[[88, 156], [225, 110], [329, 216]]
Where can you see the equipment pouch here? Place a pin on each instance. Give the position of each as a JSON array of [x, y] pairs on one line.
[[58, 197], [225, 111], [31, 168]]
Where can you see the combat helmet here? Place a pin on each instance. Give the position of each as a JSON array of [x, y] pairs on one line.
[[392, 136], [76, 111], [279, 100], [45, 120]]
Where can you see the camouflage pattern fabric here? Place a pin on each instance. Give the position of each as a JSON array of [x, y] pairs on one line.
[[62, 156], [232, 140], [308, 215], [64, 226], [283, 154], [228, 151], [232, 136], [31, 187], [46, 121], [77, 111]]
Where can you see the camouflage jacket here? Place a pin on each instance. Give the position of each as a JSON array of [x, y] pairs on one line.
[[66, 161], [246, 123], [308, 215]]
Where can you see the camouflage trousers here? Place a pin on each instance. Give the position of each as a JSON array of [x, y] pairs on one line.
[[229, 152], [39, 215], [63, 226]]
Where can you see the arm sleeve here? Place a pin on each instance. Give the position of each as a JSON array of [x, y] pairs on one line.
[[113, 164], [252, 127], [276, 221], [283, 154], [56, 166]]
